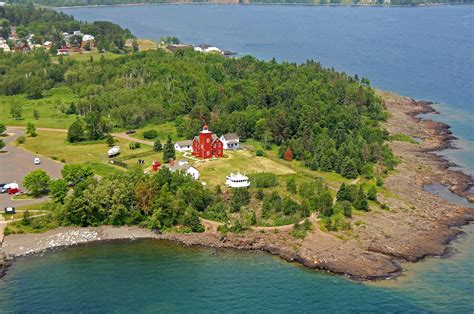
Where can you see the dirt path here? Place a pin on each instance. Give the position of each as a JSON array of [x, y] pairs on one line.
[[132, 139]]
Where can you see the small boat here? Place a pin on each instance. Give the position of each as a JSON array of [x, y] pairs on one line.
[[114, 151]]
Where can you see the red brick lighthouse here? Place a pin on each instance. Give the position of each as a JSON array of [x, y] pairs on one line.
[[207, 145]]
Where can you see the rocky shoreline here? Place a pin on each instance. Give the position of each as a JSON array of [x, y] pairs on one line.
[[418, 224]]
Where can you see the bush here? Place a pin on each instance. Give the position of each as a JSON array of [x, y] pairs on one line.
[[259, 153], [264, 180], [150, 134], [300, 230], [134, 145], [21, 140]]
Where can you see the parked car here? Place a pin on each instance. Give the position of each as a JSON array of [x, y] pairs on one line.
[[14, 191], [37, 161], [130, 132]]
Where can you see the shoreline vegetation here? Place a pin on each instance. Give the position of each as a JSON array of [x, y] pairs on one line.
[[354, 172], [124, 3], [385, 240]]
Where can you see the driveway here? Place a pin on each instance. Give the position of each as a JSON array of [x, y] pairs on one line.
[[17, 163]]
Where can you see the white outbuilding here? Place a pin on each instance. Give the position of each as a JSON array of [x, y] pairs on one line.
[[237, 180], [183, 146], [184, 167]]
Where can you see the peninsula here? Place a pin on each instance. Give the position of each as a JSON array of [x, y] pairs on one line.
[[336, 169]]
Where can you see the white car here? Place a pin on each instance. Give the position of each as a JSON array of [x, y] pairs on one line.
[[37, 161]]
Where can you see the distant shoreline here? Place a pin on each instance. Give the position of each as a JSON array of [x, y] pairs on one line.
[[256, 4]]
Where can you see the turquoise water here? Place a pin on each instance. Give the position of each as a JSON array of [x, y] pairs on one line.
[[151, 276], [421, 52]]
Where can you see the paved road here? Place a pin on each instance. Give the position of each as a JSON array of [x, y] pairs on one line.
[[17, 163]]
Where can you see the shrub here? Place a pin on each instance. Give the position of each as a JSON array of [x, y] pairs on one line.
[[259, 153], [21, 140], [300, 230], [150, 134], [134, 145], [264, 180]]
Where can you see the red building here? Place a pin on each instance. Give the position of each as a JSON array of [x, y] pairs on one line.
[[207, 145]]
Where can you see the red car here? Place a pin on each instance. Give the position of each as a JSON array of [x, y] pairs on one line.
[[13, 191]]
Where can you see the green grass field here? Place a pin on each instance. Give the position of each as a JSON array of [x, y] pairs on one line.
[[50, 109], [53, 144], [163, 130]]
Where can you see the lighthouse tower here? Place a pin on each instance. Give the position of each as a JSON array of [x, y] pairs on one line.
[[207, 145]]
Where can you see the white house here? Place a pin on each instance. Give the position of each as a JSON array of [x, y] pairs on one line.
[[4, 45], [207, 48], [47, 44], [186, 168], [183, 146], [87, 38], [230, 141], [237, 180]]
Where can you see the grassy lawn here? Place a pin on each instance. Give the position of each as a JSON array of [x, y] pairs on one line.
[[86, 55], [215, 171], [54, 145], [163, 130], [50, 108]]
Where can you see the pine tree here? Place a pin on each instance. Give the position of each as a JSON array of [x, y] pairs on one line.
[[75, 132], [157, 146], [168, 151], [361, 202], [348, 169], [372, 194], [343, 194]]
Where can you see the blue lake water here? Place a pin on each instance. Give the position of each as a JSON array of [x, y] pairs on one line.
[[425, 53]]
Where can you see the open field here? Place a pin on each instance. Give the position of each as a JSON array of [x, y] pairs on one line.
[[54, 145], [86, 55], [215, 171], [51, 109]]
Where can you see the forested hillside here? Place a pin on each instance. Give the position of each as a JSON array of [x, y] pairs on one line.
[[328, 119], [41, 25]]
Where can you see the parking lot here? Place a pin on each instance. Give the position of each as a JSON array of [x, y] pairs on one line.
[[17, 163]]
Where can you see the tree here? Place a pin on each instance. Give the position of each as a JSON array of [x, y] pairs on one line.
[[26, 220], [3, 128], [157, 146], [36, 114], [291, 185], [150, 134], [2, 144], [96, 125], [31, 129], [192, 221], [135, 46], [109, 139], [325, 204], [372, 193], [288, 155], [36, 182], [240, 197], [360, 202], [344, 193], [168, 151], [348, 169], [58, 190], [75, 173], [75, 132], [16, 111]]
